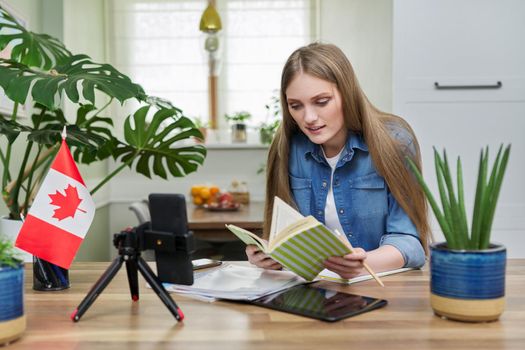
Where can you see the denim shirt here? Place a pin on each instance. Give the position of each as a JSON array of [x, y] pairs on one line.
[[368, 212]]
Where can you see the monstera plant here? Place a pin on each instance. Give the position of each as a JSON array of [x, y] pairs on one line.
[[40, 68]]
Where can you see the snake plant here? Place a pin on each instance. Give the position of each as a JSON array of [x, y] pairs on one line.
[[451, 216]]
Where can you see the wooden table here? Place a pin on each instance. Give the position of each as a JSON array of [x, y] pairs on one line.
[[209, 225], [115, 322]]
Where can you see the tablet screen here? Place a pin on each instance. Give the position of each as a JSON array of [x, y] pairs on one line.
[[320, 303]]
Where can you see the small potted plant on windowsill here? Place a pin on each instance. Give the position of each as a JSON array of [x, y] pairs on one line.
[[268, 128], [12, 318], [202, 126], [468, 270], [238, 125], [267, 131]]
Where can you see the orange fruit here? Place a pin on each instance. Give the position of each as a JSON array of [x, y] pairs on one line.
[[205, 193], [195, 190], [214, 190], [197, 200]]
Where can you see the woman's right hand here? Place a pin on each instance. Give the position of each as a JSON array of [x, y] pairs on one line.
[[259, 259]]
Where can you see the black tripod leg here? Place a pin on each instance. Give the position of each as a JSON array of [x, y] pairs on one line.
[[133, 278], [97, 288], [154, 282]]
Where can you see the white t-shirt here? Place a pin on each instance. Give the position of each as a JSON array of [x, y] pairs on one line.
[[330, 211]]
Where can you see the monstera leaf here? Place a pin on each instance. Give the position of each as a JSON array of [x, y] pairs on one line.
[[31, 49], [161, 103], [155, 143], [11, 129], [47, 87], [87, 138]]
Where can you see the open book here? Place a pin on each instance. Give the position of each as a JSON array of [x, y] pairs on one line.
[[299, 243]]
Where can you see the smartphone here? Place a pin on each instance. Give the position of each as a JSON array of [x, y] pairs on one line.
[[205, 263]]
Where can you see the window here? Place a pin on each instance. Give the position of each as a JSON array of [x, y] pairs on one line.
[[158, 44]]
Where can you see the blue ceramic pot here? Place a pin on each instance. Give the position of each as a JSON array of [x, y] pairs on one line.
[[468, 285], [12, 319]]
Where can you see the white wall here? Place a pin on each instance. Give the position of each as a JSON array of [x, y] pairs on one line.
[[363, 30]]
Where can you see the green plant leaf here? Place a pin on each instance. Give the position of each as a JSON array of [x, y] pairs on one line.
[[31, 49], [47, 88], [477, 214], [433, 204], [154, 143], [87, 138], [161, 103], [493, 194], [238, 117], [460, 235], [8, 255], [11, 129], [444, 199], [461, 204]]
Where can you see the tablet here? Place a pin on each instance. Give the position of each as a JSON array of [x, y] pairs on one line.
[[323, 304]]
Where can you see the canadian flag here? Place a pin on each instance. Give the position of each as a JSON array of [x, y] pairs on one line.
[[61, 213]]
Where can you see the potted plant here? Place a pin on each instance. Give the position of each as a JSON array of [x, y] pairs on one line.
[[468, 270], [42, 68], [202, 126], [268, 128], [267, 131], [238, 124], [12, 318]]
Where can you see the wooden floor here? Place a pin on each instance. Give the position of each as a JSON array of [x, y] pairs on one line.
[[115, 322]]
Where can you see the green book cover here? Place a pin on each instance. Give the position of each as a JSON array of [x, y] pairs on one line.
[[301, 246]]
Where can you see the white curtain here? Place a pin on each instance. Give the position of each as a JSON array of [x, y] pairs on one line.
[[158, 44]]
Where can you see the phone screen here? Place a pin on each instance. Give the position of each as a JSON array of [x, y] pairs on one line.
[[205, 263]]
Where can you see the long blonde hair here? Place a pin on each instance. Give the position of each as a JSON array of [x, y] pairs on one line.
[[328, 62]]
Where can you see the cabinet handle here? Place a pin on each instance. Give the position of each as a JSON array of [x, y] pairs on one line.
[[465, 87]]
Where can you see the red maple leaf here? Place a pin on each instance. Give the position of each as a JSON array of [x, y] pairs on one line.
[[67, 205]]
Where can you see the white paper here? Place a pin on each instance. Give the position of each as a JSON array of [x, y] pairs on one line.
[[237, 282], [334, 277]]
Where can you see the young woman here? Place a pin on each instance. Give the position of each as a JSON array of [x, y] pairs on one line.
[[340, 159]]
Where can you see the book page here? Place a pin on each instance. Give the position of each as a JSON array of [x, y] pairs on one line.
[[296, 227], [283, 215], [248, 237]]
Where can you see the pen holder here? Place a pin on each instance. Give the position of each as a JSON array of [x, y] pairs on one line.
[[48, 276]]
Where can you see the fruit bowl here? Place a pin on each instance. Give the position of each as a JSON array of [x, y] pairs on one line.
[[222, 207]]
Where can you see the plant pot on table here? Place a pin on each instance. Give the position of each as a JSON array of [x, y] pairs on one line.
[[46, 276], [12, 318], [468, 285]]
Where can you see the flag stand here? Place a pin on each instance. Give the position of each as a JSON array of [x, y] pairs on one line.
[[48, 276], [127, 243]]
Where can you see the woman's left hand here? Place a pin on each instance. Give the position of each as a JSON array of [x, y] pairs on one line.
[[347, 266]]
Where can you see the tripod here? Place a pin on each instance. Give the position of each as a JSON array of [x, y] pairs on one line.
[[127, 244]]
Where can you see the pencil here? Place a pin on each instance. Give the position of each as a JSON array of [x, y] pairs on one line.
[[365, 265]]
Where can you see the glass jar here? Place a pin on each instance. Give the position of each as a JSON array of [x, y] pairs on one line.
[[239, 134]]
